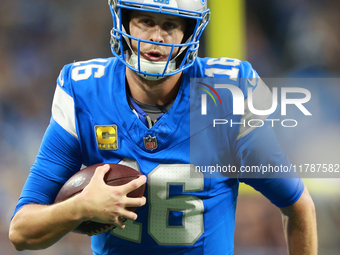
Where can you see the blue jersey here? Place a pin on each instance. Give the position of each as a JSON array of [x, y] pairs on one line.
[[187, 211]]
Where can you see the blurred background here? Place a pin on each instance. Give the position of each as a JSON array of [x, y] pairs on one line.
[[291, 38]]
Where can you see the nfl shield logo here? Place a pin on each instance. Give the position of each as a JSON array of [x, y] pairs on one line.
[[150, 143]]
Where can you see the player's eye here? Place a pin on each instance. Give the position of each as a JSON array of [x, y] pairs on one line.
[[147, 22], [169, 25]]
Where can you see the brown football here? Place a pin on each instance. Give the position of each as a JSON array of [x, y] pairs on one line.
[[116, 176]]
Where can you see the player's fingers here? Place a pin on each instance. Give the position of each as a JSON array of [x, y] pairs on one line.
[[126, 214], [120, 221], [100, 172], [135, 184], [120, 225], [135, 201]]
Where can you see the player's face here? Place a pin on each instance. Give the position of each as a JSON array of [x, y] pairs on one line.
[[156, 27]]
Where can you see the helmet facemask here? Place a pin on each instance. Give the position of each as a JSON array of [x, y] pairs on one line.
[[155, 70]]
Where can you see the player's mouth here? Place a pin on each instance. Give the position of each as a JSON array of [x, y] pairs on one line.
[[153, 56]]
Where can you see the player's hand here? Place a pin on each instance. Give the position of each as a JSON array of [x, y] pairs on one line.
[[107, 204]]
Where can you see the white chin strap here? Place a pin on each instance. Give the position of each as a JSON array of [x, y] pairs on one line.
[[153, 67]]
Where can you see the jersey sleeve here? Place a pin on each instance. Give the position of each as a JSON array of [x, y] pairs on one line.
[[259, 102], [59, 155], [63, 109], [58, 159], [269, 171], [264, 164]]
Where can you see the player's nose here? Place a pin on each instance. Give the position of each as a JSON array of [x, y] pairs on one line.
[[156, 34]]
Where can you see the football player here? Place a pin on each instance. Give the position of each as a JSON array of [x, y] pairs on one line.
[[141, 108]]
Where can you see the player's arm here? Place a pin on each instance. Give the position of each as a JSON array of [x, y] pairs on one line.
[[37, 226], [299, 223], [285, 190], [259, 147], [38, 223]]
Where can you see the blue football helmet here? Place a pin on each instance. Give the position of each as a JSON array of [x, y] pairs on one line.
[[193, 10]]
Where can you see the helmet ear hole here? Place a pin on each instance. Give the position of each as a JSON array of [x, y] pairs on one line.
[[189, 29], [126, 16]]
